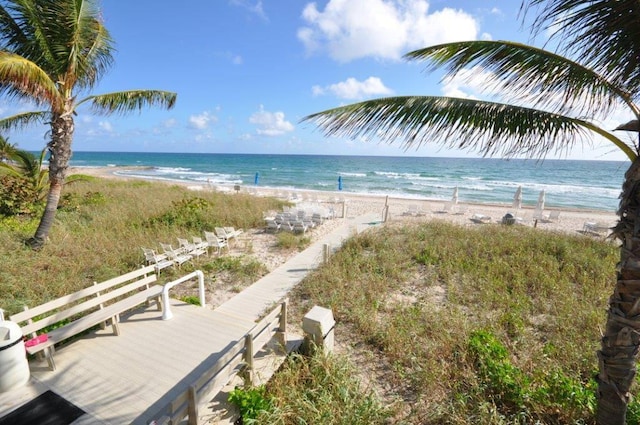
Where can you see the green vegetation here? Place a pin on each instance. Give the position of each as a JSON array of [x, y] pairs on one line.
[[288, 240], [494, 324], [102, 225], [54, 64], [538, 101], [250, 402], [320, 390]]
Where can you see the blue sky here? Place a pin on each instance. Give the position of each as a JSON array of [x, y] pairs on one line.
[[247, 71]]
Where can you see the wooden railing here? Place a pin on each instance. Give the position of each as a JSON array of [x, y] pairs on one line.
[[238, 359]]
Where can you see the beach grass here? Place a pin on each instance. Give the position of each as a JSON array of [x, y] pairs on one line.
[[491, 324], [100, 228], [438, 323]]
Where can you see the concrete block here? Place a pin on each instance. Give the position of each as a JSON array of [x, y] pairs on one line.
[[318, 325]]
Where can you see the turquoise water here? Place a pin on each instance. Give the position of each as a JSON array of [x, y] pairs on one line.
[[573, 184]]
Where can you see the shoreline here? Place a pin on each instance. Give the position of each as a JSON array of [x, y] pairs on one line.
[[570, 220]]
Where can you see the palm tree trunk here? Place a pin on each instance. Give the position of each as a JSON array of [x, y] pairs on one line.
[[619, 350], [62, 128]]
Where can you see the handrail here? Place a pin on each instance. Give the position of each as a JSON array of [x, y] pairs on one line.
[[166, 311]]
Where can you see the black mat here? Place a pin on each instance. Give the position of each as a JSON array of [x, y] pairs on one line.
[[46, 409]]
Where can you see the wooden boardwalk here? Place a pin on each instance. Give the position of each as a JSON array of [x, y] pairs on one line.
[[130, 378]]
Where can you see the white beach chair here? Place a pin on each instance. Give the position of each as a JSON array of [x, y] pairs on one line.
[[272, 225], [159, 260], [215, 242], [191, 248], [480, 219], [177, 256]]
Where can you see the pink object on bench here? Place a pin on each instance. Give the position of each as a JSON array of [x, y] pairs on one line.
[[37, 340]]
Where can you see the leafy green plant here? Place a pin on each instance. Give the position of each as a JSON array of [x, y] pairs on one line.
[[17, 196], [190, 299], [501, 379], [188, 212], [250, 402]]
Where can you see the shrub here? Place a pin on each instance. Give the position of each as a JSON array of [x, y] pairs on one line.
[[250, 402], [17, 196]]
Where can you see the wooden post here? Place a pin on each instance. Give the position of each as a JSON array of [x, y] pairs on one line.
[[103, 325], [248, 359], [281, 335], [193, 406]]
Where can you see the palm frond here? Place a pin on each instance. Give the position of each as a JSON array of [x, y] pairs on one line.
[[24, 79], [126, 101], [604, 34], [91, 49], [543, 79], [23, 120], [485, 127]]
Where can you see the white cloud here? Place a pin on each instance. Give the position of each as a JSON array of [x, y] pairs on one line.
[[384, 29], [270, 123], [202, 120], [106, 126], [255, 8], [354, 89]]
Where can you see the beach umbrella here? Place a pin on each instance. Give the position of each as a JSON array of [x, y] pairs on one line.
[[339, 182], [256, 178], [517, 198], [540, 204], [454, 198]]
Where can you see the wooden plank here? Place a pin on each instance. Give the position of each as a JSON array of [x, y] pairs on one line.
[[231, 358], [83, 293], [85, 306], [92, 319]]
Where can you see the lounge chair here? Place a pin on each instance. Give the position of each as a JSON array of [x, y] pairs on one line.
[[480, 219], [272, 225], [232, 232], [299, 227], [191, 248], [199, 243], [596, 227], [215, 242], [413, 210], [446, 208], [178, 256], [552, 217], [159, 260]]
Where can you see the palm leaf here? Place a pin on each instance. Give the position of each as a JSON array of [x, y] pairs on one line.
[[22, 78], [604, 34], [126, 101], [539, 77], [24, 119], [486, 127], [91, 45]]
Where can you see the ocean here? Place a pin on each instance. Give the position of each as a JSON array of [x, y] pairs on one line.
[[567, 183]]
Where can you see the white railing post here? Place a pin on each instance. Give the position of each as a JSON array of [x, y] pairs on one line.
[[166, 307]]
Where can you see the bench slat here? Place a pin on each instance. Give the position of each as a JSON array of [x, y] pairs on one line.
[[98, 316], [83, 293], [93, 302]]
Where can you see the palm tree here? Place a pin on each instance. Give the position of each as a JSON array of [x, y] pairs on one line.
[[559, 92], [53, 53]]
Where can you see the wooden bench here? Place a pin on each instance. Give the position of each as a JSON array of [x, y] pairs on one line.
[[101, 303]]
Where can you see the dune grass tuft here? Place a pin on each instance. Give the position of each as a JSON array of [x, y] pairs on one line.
[[99, 231], [495, 324]]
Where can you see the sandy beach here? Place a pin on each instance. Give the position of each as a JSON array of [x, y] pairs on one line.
[[407, 209]]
